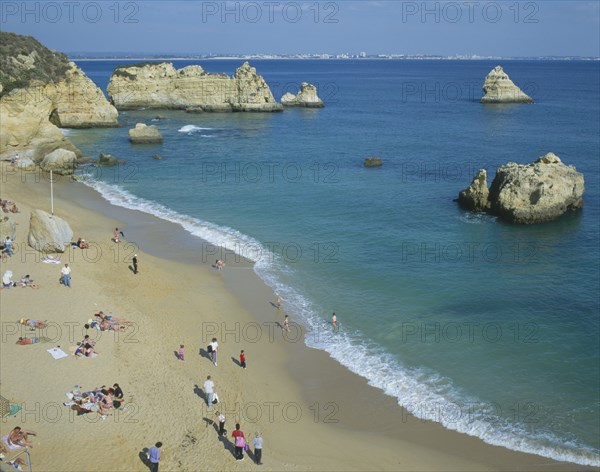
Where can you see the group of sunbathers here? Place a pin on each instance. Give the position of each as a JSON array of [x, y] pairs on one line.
[[8, 206], [25, 281], [86, 348], [101, 400]]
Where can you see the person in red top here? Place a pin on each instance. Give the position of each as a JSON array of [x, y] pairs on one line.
[[243, 359], [239, 443]]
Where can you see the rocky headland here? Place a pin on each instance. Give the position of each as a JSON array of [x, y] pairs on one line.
[[160, 85], [40, 91], [527, 194], [498, 88]]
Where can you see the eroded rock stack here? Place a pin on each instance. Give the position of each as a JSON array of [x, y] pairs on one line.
[[527, 194], [498, 88], [160, 85], [306, 97]]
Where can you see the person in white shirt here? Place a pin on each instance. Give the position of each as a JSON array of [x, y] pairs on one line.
[[209, 389], [66, 275], [215, 346]]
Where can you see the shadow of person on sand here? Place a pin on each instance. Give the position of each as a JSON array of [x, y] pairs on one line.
[[198, 391], [212, 423], [274, 305], [227, 444], [143, 455], [176, 354], [236, 362], [205, 353]]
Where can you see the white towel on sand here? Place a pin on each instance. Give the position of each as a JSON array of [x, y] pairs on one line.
[[57, 353]]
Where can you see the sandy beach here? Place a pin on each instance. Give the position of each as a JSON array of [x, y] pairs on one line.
[[312, 413]]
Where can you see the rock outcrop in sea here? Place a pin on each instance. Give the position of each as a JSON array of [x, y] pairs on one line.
[[40, 91], [373, 162], [160, 85], [498, 88], [144, 134], [48, 233], [527, 194], [306, 97]]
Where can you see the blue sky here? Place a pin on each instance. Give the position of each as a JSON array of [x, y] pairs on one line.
[[507, 28]]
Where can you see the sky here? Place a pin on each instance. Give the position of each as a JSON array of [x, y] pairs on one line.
[[486, 28]]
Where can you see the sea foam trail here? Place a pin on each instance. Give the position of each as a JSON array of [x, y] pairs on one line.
[[423, 393], [191, 129]]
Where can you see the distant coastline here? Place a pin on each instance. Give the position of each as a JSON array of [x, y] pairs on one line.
[[141, 57]]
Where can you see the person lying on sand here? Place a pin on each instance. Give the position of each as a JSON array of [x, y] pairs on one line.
[[18, 437], [111, 320], [85, 350], [25, 341], [34, 324], [18, 463]]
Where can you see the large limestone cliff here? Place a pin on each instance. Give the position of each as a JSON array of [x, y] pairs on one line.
[[41, 90], [498, 88], [160, 85]]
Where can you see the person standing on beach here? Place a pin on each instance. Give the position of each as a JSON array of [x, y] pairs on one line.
[[181, 352], [221, 418], [134, 261], [240, 443], [66, 275], [116, 235], [209, 389], [154, 456], [243, 359], [286, 323], [278, 303], [213, 352], [8, 246], [257, 442]]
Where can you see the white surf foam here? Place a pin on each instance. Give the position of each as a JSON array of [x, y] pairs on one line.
[[192, 129]]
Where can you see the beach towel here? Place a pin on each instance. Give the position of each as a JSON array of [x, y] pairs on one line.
[[51, 260], [7, 408], [57, 353], [12, 447]]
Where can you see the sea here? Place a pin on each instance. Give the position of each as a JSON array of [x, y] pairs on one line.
[[488, 328]]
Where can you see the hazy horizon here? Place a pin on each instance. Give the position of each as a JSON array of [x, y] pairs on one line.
[[444, 28]]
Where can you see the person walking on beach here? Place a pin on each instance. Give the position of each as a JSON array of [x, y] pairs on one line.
[[181, 352], [278, 303], [214, 347], [286, 323], [134, 261], [221, 419], [66, 275], [116, 234], [154, 456], [209, 389], [8, 246], [243, 359], [257, 442], [240, 443]]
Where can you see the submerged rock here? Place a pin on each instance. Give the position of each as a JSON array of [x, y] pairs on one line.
[[498, 88], [373, 162], [107, 160]]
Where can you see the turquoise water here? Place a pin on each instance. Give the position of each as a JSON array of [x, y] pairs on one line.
[[488, 328]]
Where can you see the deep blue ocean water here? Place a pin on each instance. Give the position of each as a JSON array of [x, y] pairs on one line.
[[488, 328]]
